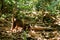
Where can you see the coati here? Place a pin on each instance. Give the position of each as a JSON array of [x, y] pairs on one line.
[[19, 24]]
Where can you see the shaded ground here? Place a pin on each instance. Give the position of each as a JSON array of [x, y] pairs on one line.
[[39, 35]]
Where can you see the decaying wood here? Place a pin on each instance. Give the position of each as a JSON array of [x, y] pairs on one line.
[[41, 28], [32, 34], [36, 31]]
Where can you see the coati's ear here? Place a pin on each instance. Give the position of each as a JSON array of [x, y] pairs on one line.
[[14, 19]]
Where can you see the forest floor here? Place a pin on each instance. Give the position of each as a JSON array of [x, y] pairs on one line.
[[52, 35]]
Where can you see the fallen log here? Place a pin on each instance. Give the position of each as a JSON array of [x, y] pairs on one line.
[[38, 28]]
